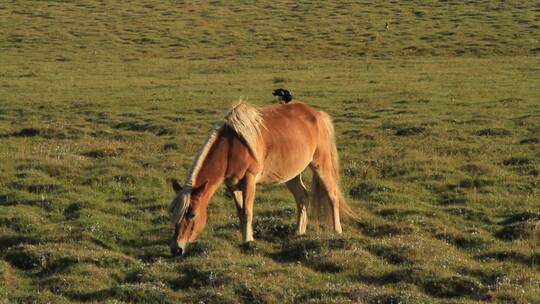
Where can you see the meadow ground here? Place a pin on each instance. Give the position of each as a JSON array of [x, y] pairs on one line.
[[438, 122]]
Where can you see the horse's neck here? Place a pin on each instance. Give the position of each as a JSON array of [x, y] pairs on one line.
[[214, 166]]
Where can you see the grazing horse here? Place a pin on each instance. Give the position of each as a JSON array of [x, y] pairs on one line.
[[254, 146]]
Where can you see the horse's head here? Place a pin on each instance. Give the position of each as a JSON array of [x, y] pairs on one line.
[[188, 215]]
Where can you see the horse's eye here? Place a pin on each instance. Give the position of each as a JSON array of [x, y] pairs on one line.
[[189, 214]]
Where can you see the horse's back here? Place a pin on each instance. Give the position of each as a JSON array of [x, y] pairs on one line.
[[291, 111]]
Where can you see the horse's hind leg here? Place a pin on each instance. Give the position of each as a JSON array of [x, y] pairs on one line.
[[328, 186], [296, 186]]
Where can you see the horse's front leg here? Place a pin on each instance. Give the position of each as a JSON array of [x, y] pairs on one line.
[[238, 198], [248, 196]]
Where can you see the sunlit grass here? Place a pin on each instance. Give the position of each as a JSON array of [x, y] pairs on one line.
[[438, 122]]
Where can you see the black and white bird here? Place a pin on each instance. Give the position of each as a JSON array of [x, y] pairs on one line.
[[283, 95]]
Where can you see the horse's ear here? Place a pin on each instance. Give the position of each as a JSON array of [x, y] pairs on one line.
[[199, 189], [176, 185]]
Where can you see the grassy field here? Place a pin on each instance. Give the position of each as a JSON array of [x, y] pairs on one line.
[[438, 122]]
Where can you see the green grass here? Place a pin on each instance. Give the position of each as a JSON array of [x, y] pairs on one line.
[[438, 120]]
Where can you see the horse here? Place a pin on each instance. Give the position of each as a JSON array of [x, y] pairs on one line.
[[267, 145]]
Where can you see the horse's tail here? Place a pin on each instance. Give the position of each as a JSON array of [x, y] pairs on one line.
[[320, 195], [320, 209]]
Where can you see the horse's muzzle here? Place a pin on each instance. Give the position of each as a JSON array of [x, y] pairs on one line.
[[176, 250]]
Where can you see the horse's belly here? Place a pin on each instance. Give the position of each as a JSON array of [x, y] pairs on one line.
[[282, 170]]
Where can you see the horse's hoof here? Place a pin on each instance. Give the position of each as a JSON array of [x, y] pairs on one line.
[[249, 247]]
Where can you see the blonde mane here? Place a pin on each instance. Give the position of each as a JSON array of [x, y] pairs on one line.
[[202, 153], [180, 204], [246, 120]]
